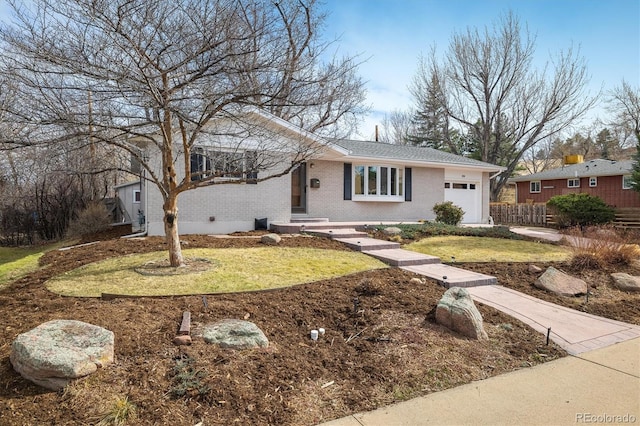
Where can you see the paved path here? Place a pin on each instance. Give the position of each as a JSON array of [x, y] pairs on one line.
[[599, 383], [575, 331]]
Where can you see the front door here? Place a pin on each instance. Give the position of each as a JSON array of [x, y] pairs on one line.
[[299, 189]]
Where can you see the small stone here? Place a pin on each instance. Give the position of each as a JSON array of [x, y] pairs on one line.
[[182, 340], [626, 282], [416, 280], [392, 230], [534, 269], [270, 239]]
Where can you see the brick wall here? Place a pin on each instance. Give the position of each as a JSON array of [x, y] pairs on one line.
[[609, 188], [327, 201]]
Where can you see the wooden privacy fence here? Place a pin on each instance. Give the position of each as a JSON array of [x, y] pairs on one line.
[[518, 214], [537, 215]]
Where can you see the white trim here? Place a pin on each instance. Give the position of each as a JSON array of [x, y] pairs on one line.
[[629, 179], [367, 196], [419, 163], [539, 187], [573, 180], [593, 181]]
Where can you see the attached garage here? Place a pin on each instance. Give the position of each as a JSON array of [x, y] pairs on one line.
[[465, 191]]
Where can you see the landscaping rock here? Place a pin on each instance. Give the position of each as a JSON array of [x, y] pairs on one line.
[[270, 239], [235, 334], [626, 282], [534, 269], [416, 280], [560, 283], [56, 352], [182, 340], [392, 230], [457, 312]]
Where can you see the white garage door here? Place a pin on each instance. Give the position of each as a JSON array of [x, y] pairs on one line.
[[465, 195]]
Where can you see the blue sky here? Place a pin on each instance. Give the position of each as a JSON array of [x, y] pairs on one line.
[[392, 34]]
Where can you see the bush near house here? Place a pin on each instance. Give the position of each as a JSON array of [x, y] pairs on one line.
[[580, 210], [448, 213], [432, 229]]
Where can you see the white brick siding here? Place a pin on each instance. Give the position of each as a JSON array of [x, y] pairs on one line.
[[327, 201]]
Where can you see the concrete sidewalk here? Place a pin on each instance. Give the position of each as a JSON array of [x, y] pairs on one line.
[[601, 386]]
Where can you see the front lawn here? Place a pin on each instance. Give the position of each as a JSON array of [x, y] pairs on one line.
[[486, 249], [229, 270], [16, 262]]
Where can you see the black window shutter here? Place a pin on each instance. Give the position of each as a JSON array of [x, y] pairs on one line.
[[193, 159], [347, 181], [407, 184]]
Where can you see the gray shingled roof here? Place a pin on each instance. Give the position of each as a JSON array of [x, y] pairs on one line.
[[591, 168], [387, 151]]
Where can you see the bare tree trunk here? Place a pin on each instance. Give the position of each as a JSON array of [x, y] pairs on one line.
[[171, 232]]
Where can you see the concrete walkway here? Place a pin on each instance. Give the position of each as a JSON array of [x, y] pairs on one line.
[[576, 332], [599, 383]]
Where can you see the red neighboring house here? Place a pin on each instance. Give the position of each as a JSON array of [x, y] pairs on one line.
[[608, 179]]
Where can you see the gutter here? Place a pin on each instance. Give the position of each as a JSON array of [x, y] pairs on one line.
[[496, 174]]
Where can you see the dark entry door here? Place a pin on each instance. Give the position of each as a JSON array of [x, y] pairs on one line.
[[299, 189]]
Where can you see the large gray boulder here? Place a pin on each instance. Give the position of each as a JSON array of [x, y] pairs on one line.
[[56, 352], [235, 334], [560, 283], [457, 312], [626, 282]]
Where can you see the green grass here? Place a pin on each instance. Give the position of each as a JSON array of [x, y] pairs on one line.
[[232, 270], [18, 262], [485, 249]]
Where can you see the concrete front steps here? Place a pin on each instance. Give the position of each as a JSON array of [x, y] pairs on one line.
[[401, 257], [422, 264], [354, 236], [450, 276]]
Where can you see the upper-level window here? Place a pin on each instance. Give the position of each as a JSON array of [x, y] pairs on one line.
[[378, 182], [573, 183], [137, 197], [534, 186], [626, 182], [223, 164], [593, 182]]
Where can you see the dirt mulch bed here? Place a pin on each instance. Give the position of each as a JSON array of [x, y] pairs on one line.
[[381, 345]]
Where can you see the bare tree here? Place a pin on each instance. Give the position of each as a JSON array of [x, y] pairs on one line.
[[168, 75], [489, 89], [624, 102], [397, 127]]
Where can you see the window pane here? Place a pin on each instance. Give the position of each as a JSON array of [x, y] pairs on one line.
[[373, 180], [459, 186], [384, 175], [400, 181], [447, 185], [394, 181], [472, 186], [359, 179]]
